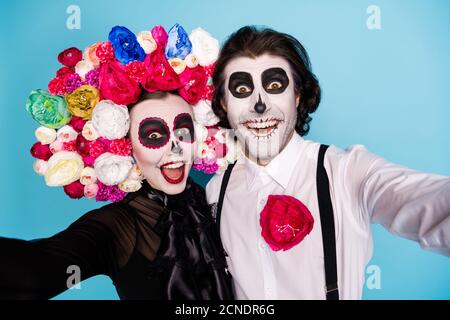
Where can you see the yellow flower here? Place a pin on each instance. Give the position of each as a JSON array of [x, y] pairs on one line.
[[82, 101]]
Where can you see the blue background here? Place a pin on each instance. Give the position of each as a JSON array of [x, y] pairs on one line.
[[387, 89]]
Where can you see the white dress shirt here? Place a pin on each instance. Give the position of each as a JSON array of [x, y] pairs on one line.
[[364, 189]]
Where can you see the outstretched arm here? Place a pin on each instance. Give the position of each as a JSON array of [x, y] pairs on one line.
[[41, 269], [411, 204]]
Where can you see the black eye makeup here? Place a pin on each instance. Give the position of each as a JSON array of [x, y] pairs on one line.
[[241, 84], [183, 128], [274, 80], [153, 133]]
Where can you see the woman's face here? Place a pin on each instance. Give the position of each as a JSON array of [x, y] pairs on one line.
[[163, 140]]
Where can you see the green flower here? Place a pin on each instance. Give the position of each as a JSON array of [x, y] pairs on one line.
[[48, 110]]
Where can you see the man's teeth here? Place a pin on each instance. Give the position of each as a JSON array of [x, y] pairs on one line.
[[262, 128], [261, 125], [173, 165]]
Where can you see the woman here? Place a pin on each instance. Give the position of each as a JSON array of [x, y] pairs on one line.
[[156, 243]]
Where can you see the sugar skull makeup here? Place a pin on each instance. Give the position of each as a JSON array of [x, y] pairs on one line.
[[163, 140], [261, 104]]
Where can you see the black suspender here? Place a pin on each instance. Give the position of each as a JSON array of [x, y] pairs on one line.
[[326, 219], [327, 224]]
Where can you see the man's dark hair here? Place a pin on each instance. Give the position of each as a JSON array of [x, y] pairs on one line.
[[252, 42]]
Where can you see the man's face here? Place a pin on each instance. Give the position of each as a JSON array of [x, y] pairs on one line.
[[163, 141], [261, 104]]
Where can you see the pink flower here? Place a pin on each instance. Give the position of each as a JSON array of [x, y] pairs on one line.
[[193, 84], [98, 147], [56, 86], [92, 78], [56, 146], [90, 190], [41, 151], [205, 165], [159, 75], [115, 85], [75, 190], [109, 193], [121, 147], [160, 36], [72, 82], [88, 161], [285, 222], [105, 52]]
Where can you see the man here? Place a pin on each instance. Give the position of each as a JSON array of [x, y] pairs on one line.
[[311, 239]]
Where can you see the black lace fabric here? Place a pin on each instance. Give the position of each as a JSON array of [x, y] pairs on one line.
[[152, 246]]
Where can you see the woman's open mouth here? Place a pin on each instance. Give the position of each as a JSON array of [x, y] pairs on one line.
[[173, 172], [262, 128]]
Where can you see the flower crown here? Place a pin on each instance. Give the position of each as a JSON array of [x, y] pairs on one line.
[[82, 144]]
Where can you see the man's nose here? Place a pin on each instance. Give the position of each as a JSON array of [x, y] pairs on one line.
[[260, 106]]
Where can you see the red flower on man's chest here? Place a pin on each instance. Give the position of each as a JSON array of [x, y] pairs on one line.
[[285, 222]]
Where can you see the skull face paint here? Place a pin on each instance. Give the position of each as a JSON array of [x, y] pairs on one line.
[[163, 141], [261, 104]]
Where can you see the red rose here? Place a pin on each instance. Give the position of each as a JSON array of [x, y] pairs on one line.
[[75, 190], [70, 57], [98, 147], [159, 75], [77, 123], [121, 147], [69, 146], [193, 84], [135, 70], [285, 222], [82, 145], [41, 151], [64, 71], [105, 52], [115, 85], [56, 86]]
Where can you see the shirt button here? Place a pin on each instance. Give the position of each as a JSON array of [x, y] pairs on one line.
[[262, 246], [262, 201]]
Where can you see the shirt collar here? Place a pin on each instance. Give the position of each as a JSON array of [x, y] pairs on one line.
[[281, 167]]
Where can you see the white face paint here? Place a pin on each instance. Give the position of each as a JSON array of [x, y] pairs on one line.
[[163, 141], [261, 104]]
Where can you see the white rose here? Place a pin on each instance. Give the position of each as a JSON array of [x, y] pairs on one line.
[[89, 132], [64, 167], [146, 41], [204, 114], [191, 61], [40, 167], [203, 151], [111, 120], [112, 169], [83, 67], [66, 134], [130, 185], [135, 173], [45, 135], [221, 135], [177, 65], [201, 133], [204, 46], [222, 164], [88, 176]]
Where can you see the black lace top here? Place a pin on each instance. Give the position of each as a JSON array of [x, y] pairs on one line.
[[152, 245]]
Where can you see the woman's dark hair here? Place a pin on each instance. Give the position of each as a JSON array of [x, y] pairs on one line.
[[252, 42]]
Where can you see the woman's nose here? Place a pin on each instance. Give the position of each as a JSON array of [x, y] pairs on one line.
[[175, 148]]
